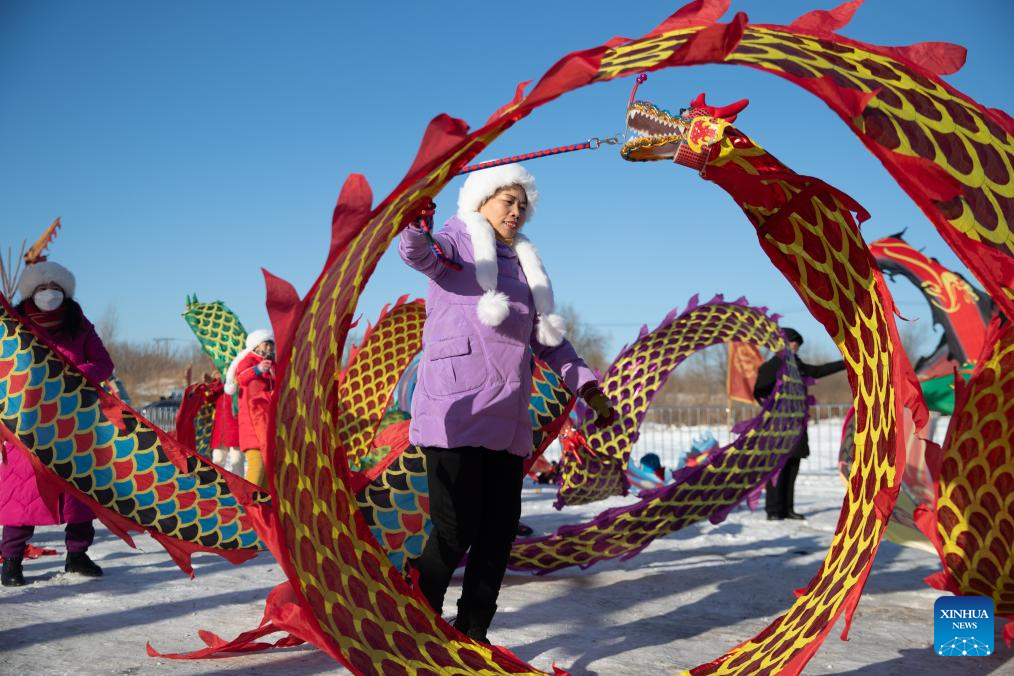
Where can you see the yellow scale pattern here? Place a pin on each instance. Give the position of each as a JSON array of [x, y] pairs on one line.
[[366, 384], [975, 504], [368, 615], [911, 115], [721, 484], [820, 250], [634, 380]]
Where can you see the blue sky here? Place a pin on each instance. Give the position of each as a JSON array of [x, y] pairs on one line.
[[188, 144]]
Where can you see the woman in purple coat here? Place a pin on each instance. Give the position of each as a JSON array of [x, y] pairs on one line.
[[48, 307], [489, 310]]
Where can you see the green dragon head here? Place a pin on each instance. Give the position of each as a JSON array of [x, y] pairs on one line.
[[218, 330], [657, 134]]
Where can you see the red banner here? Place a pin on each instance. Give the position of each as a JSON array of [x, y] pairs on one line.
[[744, 361]]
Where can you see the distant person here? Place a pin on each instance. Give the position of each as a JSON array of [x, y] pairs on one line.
[[252, 374], [780, 496], [225, 434], [650, 462], [551, 475], [49, 309]]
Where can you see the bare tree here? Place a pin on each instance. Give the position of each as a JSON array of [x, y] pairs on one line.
[[150, 370], [11, 271], [916, 338], [588, 341], [108, 325], [833, 389], [698, 380]]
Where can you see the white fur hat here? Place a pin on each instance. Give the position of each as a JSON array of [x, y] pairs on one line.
[[493, 306], [483, 184], [253, 339], [43, 273]]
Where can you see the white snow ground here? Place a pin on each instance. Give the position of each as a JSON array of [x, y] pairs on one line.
[[682, 602]]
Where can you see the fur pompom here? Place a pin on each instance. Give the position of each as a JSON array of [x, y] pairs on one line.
[[492, 308], [550, 330]]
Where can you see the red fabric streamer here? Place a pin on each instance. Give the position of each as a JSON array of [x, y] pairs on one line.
[[827, 21], [33, 552]]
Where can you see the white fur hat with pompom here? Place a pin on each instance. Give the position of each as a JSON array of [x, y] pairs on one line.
[[493, 306]]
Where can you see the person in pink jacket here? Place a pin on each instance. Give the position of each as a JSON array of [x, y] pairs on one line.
[[48, 307], [489, 310]]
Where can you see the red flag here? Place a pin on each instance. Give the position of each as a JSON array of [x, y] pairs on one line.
[[744, 361]]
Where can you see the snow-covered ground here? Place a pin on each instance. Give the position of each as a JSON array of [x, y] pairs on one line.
[[682, 602]]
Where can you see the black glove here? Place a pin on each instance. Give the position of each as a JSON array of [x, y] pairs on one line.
[[605, 414]]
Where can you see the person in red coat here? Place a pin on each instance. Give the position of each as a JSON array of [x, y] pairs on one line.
[[50, 311], [252, 374], [225, 436]]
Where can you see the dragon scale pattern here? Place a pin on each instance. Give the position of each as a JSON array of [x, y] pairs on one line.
[[368, 617], [594, 472], [217, 329], [708, 491], [53, 413], [975, 494], [365, 386]]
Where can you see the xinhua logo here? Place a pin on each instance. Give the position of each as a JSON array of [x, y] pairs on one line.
[[963, 626]]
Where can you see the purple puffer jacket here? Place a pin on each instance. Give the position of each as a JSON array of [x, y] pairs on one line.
[[475, 381], [21, 501]]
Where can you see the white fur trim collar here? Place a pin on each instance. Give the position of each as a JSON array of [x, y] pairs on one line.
[[231, 386], [493, 307]]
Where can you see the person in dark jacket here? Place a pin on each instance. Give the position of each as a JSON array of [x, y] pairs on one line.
[[780, 494]]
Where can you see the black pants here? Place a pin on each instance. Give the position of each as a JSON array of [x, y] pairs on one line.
[[475, 504], [779, 499]]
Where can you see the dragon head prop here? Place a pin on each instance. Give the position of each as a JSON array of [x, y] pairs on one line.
[[217, 329], [686, 138]]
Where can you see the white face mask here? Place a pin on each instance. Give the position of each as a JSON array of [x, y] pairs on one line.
[[48, 299]]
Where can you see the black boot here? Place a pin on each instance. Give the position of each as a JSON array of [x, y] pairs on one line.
[[462, 622], [12, 575], [478, 620], [477, 634], [78, 562]]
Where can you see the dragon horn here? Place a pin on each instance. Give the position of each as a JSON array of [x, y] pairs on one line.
[[730, 111]]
